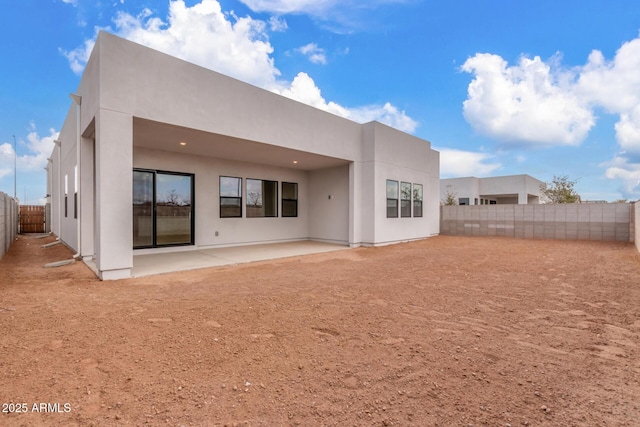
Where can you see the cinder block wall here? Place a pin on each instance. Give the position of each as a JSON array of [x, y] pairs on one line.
[[607, 221], [8, 222], [636, 224]]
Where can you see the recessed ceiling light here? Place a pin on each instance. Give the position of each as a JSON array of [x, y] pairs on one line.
[[295, 162], [183, 143]]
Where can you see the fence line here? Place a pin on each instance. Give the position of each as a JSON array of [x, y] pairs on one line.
[[636, 221], [606, 221], [8, 222]]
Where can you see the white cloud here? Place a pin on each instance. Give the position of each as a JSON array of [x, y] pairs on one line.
[[337, 16], [526, 103], [311, 7], [459, 163], [278, 24], [38, 150], [387, 114], [323, 9], [79, 56], [314, 53], [235, 46], [629, 175], [204, 35], [6, 159], [304, 89], [628, 130], [626, 170], [540, 103], [614, 84], [71, 2]]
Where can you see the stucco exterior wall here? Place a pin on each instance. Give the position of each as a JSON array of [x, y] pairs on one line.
[[65, 160], [363, 189], [329, 204], [400, 157], [231, 231], [520, 185], [468, 187], [192, 96], [114, 194], [391, 230], [54, 175], [511, 189], [432, 190]]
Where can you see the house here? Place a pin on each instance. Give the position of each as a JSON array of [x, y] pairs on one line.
[[500, 190], [157, 154]]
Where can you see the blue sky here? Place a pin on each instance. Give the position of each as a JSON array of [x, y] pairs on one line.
[[499, 87]]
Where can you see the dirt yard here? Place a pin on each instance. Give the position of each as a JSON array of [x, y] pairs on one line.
[[449, 331]]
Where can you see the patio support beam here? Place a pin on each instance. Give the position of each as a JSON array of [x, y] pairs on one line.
[[114, 189]]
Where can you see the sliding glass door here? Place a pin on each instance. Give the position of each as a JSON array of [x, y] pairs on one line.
[[142, 209], [162, 208], [173, 209]]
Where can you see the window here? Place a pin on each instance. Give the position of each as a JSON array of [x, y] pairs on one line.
[[405, 200], [417, 200], [142, 208], [289, 199], [75, 193], [66, 194], [173, 212], [262, 198], [162, 208], [463, 201], [392, 199], [230, 197]]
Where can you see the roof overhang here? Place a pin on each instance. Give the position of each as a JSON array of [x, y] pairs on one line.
[[168, 137]]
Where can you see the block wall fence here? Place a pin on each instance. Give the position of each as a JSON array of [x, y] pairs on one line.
[[8, 222], [637, 224], [601, 221]]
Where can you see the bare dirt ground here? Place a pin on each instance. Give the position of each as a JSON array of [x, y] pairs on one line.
[[449, 331]]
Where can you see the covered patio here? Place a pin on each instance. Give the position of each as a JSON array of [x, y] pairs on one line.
[[158, 263]]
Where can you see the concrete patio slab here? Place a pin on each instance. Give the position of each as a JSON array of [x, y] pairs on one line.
[[149, 264]]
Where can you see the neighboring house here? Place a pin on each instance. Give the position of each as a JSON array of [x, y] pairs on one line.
[[500, 190], [157, 154]]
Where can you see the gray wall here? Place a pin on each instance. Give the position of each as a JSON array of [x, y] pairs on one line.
[[328, 196], [8, 222], [636, 228], [47, 217], [607, 221]]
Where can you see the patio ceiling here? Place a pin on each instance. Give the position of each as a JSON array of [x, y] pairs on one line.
[[167, 137]]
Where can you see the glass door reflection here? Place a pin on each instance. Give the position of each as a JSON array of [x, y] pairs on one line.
[[142, 209], [162, 209], [173, 209]]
